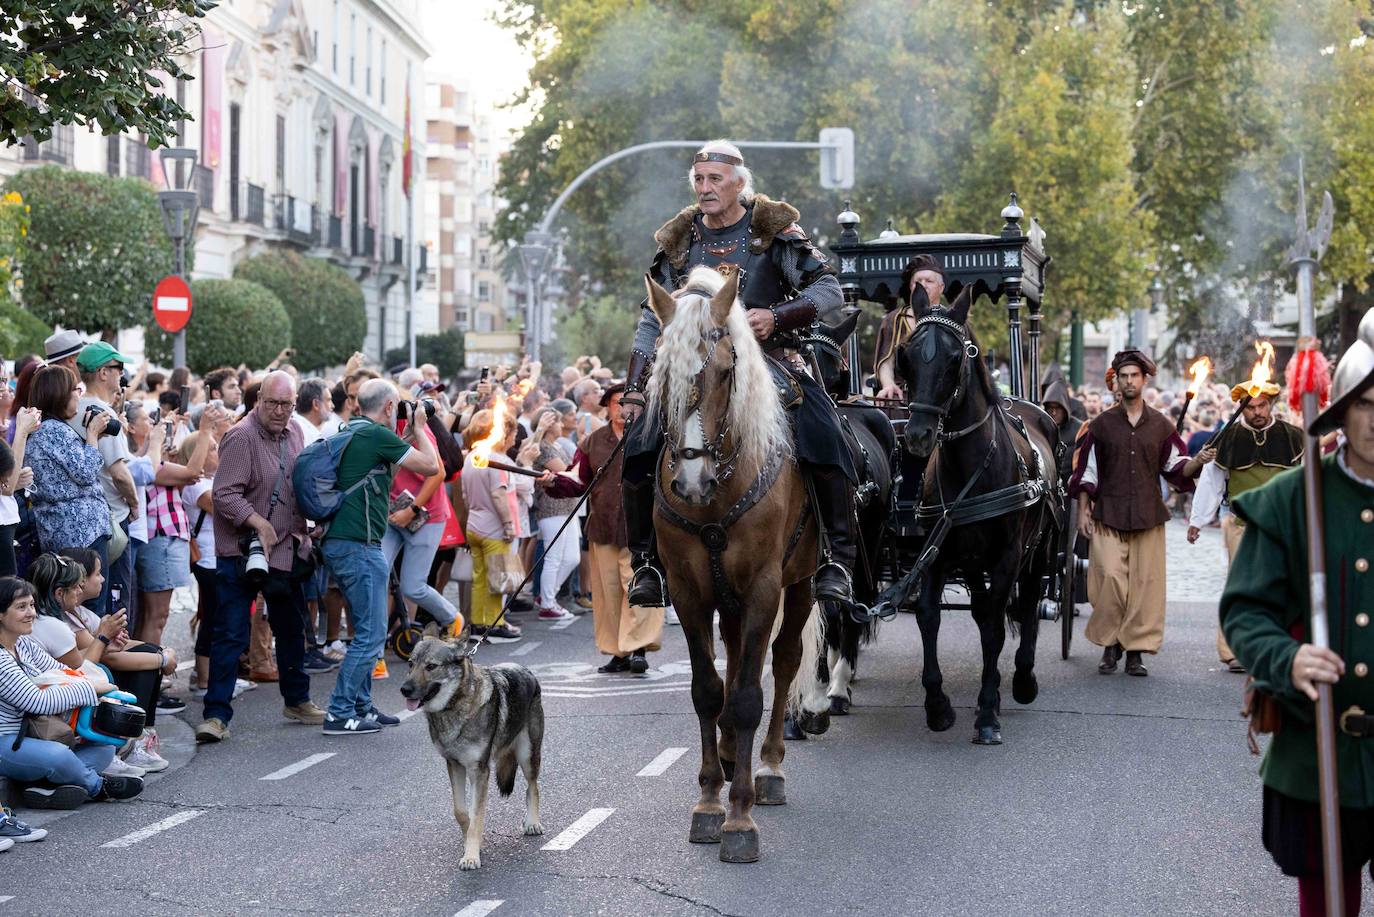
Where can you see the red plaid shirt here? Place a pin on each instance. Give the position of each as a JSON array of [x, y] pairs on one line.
[[165, 513]]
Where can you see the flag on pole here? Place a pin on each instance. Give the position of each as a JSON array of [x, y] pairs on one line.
[[405, 147]]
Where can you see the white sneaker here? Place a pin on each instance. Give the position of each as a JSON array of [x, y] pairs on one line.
[[670, 616], [145, 754], [5, 844], [121, 768], [241, 685], [335, 651]]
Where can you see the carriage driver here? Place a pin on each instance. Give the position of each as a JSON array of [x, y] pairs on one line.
[[898, 324], [785, 284]]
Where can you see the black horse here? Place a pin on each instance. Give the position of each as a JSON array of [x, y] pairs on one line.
[[873, 445], [991, 485]]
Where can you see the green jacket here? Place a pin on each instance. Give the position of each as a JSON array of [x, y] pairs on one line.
[[1265, 615]]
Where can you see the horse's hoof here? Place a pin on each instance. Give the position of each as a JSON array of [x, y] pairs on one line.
[[940, 715], [1025, 688], [839, 706], [729, 768], [988, 735], [769, 790], [791, 731], [706, 827], [815, 723], [739, 846]]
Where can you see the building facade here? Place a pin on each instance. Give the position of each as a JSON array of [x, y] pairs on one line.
[[299, 115]]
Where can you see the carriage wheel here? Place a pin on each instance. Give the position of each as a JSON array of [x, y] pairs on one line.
[[1067, 579]]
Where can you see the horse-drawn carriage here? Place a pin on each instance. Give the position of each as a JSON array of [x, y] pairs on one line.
[[904, 559]]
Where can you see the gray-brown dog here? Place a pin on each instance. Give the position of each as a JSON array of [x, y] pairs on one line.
[[479, 717]]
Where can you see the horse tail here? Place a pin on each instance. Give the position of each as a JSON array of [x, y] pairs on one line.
[[807, 693]]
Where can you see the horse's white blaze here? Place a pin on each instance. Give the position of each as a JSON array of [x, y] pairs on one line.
[[691, 472], [841, 674]]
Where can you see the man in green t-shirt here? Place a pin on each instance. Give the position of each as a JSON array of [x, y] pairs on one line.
[[353, 546]]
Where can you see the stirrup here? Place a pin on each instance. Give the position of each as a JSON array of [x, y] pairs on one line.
[[848, 595], [648, 593]]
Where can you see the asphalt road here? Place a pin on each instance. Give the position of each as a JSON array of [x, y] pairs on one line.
[[1112, 795]]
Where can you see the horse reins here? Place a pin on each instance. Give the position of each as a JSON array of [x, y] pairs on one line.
[[714, 449]]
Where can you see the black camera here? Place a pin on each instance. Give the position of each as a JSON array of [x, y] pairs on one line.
[[403, 410], [92, 411]]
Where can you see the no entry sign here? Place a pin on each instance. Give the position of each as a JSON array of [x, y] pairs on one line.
[[172, 304]]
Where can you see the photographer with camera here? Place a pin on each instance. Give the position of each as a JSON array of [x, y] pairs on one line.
[[353, 545], [69, 507], [102, 371], [261, 547]]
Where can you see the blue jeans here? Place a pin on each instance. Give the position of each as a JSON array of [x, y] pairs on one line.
[[285, 613], [39, 759], [420, 548], [361, 572]]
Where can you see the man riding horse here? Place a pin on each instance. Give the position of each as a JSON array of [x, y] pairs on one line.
[[786, 285]]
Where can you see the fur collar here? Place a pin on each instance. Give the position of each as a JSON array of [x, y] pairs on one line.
[[770, 219]]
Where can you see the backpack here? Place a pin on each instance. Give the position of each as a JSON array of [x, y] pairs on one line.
[[316, 476]]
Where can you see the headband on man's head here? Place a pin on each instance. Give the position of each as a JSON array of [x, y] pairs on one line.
[[718, 157]]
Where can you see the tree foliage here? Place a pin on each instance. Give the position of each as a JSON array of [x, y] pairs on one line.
[[601, 325], [1147, 138], [444, 350], [328, 315], [20, 332], [97, 62], [233, 322], [95, 249]]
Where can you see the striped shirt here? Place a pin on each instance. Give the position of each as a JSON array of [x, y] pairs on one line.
[[165, 513], [19, 695]]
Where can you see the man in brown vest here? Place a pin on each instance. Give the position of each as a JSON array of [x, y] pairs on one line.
[[1247, 455], [1121, 456]]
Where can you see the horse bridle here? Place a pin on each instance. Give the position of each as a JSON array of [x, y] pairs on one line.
[[715, 449], [969, 351]]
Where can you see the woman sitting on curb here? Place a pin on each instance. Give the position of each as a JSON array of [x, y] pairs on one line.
[[62, 777]]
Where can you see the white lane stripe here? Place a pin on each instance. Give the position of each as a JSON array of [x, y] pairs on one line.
[[593, 695], [407, 714], [525, 649], [565, 623], [578, 830], [156, 827], [292, 769], [479, 908], [666, 759], [4, 898]]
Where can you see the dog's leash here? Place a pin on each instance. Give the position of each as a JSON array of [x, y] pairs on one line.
[[475, 645]]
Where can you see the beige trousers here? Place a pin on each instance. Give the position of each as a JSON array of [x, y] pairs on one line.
[[620, 629], [1231, 530], [1126, 588]]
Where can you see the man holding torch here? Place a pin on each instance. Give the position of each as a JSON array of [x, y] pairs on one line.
[[1247, 454], [1265, 617]]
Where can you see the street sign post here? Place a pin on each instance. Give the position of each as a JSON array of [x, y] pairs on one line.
[[171, 303]]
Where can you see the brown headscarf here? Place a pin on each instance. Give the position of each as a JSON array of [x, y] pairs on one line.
[[1131, 356]]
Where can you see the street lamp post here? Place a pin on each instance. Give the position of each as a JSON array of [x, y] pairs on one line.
[[534, 257], [180, 207]]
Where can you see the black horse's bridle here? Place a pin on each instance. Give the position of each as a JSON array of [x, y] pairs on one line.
[[969, 351], [715, 448]]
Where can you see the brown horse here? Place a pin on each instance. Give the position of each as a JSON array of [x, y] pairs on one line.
[[736, 535]]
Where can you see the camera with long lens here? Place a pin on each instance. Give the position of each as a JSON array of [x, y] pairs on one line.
[[255, 560], [404, 410], [93, 411]]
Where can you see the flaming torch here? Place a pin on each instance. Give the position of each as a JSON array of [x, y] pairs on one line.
[[1259, 378], [482, 449], [1200, 370]]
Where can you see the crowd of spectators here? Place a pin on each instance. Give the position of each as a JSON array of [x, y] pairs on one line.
[[125, 491]]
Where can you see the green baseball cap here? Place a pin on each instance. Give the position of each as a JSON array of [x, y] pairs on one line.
[[94, 356]]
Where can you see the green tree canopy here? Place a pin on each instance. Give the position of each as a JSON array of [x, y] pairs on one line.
[[93, 62], [601, 325], [444, 350], [96, 248], [328, 315], [232, 322]]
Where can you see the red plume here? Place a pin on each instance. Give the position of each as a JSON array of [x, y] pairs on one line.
[[1308, 371]]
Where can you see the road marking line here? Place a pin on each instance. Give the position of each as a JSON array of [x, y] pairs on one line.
[[4, 898], [407, 714], [578, 830], [565, 623], [593, 695], [156, 827], [293, 769], [525, 649], [666, 759], [479, 908]]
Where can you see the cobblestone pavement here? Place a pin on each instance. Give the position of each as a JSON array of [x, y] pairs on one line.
[[1196, 572]]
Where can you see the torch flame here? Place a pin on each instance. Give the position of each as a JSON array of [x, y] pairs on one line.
[[1263, 372], [482, 449], [1200, 370], [524, 387]]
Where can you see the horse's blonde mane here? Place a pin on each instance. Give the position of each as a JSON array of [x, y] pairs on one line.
[[757, 422]]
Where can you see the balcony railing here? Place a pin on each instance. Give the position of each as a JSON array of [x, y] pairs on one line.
[[204, 182], [369, 242], [283, 210], [57, 148], [336, 232], [138, 160], [256, 211]]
